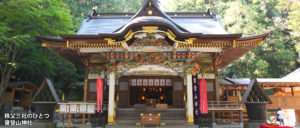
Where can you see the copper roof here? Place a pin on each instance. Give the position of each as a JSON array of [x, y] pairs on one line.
[[205, 27], [189, 22]]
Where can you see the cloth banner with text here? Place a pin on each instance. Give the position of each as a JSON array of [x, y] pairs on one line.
[[196, 96]]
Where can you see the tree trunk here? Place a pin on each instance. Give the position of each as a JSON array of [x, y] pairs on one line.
[[3, 85], [6, 70]]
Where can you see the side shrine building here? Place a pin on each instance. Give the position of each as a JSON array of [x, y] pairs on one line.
[[148, 60]]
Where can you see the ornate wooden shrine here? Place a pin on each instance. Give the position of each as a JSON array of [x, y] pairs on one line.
[[151, 45]]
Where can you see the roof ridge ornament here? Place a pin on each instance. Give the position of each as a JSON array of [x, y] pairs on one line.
[[150, 2], [93, 12], [208, 11], [151, 8]]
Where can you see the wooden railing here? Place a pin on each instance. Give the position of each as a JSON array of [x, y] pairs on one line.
[[132, 114], [228, 111], [224, 105]]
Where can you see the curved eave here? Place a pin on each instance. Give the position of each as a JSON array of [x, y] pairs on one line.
[[150, 21], [251, 37], [182, 35], [50, 39], [233, 51], [70, 55], [241, 47], [198, 40], [58, 46]]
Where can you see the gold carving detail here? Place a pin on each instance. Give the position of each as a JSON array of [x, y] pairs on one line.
[[150, 12], [150, 29]]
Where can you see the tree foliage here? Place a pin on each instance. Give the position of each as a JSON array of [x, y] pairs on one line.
[[277, 56], [81, 8], [22, 57]]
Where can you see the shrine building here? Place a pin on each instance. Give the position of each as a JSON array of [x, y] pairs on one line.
[[148, 61]]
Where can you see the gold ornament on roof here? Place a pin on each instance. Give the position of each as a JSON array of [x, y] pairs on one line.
[[150, 12]]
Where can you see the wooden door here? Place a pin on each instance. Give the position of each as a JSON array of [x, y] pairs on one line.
[[123, 93], [178, 93]]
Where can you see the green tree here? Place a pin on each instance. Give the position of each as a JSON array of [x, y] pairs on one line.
[[277, 56], [81, 8], [187, 5], [21, 22]]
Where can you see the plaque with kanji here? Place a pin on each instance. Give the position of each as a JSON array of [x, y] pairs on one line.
[[82, 108], [145, 82], [63, 108], [133, 82], [91, 108], [151, 82], [139, 82], [73, 108], [168, 82], [156, 82], [162, 82]]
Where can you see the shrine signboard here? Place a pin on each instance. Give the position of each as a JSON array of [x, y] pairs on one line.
[[77, 108], [150, 82], [207, 76]]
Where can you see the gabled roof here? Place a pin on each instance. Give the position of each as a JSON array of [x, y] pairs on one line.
[[201, 22], [189, 29], [295, 75], [255, 94], [193, 22], [151, 8]]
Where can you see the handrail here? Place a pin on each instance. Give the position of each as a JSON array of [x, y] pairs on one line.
[[223, 105], [222, 102]]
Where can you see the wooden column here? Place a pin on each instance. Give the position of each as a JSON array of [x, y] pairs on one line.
[[189, 93], [292, 91], [241, 117], [111, 97], [227, 92], [86, 82], [217, 84], [213, 116]]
